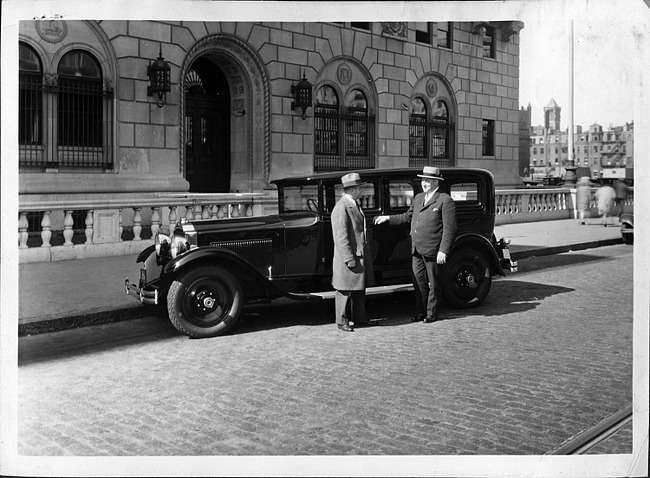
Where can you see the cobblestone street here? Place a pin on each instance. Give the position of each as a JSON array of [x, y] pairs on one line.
[[548, 355]]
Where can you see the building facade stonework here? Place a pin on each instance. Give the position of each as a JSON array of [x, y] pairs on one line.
[[384, 95]]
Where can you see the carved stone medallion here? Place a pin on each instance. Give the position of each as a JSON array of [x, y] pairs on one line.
[[344, 74], [431, 88], [52, 31]]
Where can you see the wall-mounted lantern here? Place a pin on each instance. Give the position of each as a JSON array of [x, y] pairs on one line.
[[301, 95], [159, 83]]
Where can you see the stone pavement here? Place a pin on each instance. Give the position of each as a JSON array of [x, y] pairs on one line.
[[64, 294], [540, 363]]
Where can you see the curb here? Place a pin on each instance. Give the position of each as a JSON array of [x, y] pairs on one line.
[[547, 251], [44, 325], [40, 326]]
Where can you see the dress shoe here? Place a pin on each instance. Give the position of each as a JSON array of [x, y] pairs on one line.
[[346, 328], [430, 320], [417, 318]]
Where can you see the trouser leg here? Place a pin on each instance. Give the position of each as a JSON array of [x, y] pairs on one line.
[[341, 307], [350, 306], [433, 299], [421, 284]]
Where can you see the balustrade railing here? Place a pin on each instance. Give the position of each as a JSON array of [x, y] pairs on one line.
[[126, 221], [106, 221]]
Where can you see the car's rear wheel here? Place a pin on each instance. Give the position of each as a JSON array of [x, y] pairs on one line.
[[205, 302], [467, 279]]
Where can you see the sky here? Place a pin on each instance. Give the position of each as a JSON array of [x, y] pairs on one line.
[[609, 39]]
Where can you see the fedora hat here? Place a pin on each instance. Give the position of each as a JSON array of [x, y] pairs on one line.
[[351, 179], [431, 172]]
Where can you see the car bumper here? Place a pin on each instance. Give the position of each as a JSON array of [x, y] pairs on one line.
[[506, 261], [146, 296]]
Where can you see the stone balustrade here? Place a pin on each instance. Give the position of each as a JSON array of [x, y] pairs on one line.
[[106, 222], [115, 227], [544, 204]]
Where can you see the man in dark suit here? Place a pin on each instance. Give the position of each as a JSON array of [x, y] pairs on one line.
[[433, 228], [352, 263]]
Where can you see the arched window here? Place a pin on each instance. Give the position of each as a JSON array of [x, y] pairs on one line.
[[429, 135], [80, 110], [30, 106], [326, 127], [418, 133], [343, 133], [356, 129]]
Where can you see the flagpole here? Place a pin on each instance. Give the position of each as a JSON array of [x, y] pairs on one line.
[[570, 175]]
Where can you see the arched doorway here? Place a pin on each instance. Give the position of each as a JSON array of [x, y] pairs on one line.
[[207, 128]]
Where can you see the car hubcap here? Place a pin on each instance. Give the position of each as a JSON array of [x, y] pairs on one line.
[[207, 302]]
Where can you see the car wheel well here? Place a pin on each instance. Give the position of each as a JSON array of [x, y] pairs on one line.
[[482, 246]]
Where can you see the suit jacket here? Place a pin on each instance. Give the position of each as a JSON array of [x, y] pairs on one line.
[[433, 225], [349, 233]]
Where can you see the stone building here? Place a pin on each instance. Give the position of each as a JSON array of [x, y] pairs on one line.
[[606, 154], [385, 94]]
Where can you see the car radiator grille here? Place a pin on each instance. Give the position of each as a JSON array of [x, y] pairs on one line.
[[259, 252]]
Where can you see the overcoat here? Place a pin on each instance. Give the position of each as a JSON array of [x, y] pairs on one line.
[[350, 242], [583, 194], [605, 196], [428, 236]]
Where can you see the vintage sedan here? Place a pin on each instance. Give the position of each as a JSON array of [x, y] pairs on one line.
[[207, 270]]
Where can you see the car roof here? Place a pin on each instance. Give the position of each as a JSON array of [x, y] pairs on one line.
[[336, 175]]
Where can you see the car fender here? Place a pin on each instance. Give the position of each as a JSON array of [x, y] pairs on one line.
[[222, 256], [146, 253], [480, 243]]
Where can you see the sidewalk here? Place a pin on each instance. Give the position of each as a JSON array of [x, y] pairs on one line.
[[65, 294]]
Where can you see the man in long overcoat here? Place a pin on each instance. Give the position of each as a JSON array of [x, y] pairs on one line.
[[352, 263], [432, 215]]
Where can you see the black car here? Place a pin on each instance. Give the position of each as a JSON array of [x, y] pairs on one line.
[[627, 227], [208, 270]]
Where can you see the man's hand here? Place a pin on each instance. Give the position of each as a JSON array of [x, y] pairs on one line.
[[442, 257], [381, 219], [351, 264]]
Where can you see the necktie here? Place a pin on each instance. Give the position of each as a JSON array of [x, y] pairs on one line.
[[364, 219]]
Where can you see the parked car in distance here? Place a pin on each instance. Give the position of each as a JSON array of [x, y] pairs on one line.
[[627, 227], [207, 270]]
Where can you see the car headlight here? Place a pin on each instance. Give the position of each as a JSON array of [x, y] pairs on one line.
[[162, 243], [179, 245]]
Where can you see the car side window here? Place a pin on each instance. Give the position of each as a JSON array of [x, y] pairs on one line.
[[299, 198], [401, 195], [368, 199], [465, 193]]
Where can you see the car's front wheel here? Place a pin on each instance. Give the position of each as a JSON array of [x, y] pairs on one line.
[[205, 301], [467, 279]]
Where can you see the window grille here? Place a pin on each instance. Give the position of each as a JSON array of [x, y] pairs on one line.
[[343, 137], [326, 121], [76, 109], [30, 107], [429, 138]]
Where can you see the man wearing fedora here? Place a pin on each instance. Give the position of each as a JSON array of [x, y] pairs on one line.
[[352, 263], [433, 228]]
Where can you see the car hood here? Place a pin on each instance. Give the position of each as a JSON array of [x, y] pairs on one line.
[[276, 221]]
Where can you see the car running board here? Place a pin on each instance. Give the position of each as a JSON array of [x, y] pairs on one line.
[[385, 289]]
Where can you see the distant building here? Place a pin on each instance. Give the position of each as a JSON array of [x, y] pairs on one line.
[[604, 154]]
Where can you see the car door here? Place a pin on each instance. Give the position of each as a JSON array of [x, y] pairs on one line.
[[393, 260]]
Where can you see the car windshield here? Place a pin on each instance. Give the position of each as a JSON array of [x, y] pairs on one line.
[[299, 198]]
